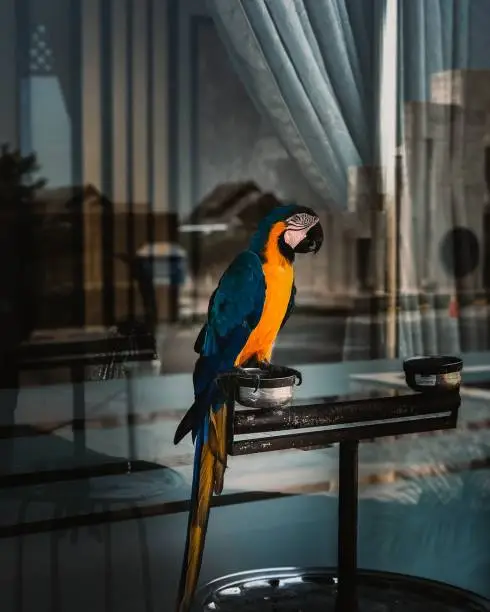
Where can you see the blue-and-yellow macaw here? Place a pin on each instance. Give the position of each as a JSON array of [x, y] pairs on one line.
[[252, 302]]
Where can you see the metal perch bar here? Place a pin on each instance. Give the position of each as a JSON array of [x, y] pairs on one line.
[[339, 411], [344, 420]]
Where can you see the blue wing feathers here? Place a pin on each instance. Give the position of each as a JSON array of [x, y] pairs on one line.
[[234, 311], [240, 295], [237, 301]]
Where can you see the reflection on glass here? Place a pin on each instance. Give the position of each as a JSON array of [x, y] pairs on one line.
[[141, 142]]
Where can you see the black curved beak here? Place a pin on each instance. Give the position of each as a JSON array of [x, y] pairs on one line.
[[312, 242]]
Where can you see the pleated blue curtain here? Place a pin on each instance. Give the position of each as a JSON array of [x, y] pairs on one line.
[[309, 67], [434, 38]]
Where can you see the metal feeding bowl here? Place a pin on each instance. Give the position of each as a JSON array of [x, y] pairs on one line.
[[433, 373], [271, 387], [315, 590]]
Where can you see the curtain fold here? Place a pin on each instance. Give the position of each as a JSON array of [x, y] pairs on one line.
[[307, 64], [434, 140]]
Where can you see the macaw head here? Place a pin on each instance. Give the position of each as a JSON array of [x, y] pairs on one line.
[[295, 229]]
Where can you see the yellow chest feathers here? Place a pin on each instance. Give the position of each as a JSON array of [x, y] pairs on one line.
[[279, 278]]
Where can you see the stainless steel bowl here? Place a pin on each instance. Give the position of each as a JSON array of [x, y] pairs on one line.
[[433, 373], [272, 387], [314, 589]]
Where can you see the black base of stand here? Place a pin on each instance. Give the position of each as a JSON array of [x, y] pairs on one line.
[[316, 590], [347, 530]]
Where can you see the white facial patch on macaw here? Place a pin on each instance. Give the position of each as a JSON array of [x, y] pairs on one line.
[[298, 227]]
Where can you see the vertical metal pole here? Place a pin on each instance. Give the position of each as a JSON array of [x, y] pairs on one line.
[[398, 245], [130, 418], [79, 436], [347, 527]]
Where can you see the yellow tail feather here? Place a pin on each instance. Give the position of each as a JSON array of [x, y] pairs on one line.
[[197, 530], [211, 476], [217, 442]]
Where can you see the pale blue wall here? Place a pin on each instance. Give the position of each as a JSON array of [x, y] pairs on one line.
[[48, 126], [45, 118]]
